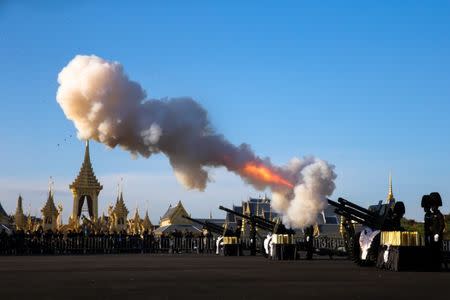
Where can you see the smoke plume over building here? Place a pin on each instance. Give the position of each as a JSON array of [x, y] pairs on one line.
[[106, 106]]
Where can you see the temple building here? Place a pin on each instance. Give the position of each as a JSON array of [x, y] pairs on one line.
[[119, 216], [147, 225], [173, 221], [135, 224], [85, 187], [50, 214]]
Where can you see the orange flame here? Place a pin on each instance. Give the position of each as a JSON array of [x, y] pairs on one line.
[[263, 173]]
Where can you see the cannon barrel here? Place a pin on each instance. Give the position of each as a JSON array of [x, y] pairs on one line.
[[355, 206], [265, 221], [256, 220], [260, 222], [355, 213], [209, 226]]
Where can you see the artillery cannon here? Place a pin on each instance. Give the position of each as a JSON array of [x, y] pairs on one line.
[[381, 217], [229, 238], [282, 242]]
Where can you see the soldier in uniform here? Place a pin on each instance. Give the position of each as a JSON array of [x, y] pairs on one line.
[[437, 227], [309, 237]]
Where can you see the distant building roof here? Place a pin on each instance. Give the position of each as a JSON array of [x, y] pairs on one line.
[[2, 211], [169, 212], [175, 216], [4, 218]]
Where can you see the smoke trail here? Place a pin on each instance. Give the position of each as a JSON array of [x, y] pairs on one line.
[[105, 105]]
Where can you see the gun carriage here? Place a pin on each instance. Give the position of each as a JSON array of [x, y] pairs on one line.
[[229, 238], [282, 244], [380, 217], [375, 235]]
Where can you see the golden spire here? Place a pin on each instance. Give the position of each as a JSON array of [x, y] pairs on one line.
[[390, 196], [86, 178], [19, 217], [146, 223], [136, 215]]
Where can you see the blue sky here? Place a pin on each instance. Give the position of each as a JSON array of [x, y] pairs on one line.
[[364, 85]]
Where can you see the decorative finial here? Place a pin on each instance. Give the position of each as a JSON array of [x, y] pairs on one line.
[[51, 186], [390, 196], [120, 189]]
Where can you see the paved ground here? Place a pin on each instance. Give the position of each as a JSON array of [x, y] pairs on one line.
[[200, 277]]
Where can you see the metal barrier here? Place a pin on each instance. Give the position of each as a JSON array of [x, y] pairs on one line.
[[58, 244], [331, 243], [107, 244]]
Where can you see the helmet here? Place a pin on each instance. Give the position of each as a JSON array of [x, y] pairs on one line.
[[436, 199], [426, 201], [399, 208]]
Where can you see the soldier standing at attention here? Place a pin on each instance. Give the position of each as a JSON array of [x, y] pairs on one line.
[[309, 236], [437, 227]]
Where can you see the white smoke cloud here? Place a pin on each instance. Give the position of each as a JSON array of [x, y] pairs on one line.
[[301, 206], [106, 106]]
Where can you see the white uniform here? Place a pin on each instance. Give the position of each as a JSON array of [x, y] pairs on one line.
[[218, 244], [366, 239], [266, 243]]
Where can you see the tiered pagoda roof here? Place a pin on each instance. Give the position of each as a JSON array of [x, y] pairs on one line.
[[120, 208], [86, 178], [49, 208], [146, 223]]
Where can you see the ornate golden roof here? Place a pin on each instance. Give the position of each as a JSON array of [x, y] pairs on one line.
[[120, 209], [147, 224], [86, 178], [137, 218], [19, 217], [19, 209], [174, 215], [49, 208]]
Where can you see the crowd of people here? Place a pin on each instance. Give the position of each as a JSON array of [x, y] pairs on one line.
[[84, 242]]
